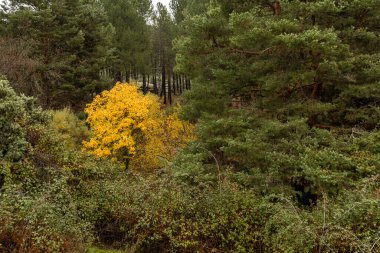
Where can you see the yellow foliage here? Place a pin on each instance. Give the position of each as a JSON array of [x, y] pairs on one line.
[[72, 130], [130, 126]]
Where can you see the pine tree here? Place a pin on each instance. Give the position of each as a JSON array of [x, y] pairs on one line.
[[71, 39], [282, 88], [285, 54], [132, 39], [163, 38]]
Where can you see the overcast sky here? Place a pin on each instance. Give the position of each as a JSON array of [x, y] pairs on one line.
[[165, 2]]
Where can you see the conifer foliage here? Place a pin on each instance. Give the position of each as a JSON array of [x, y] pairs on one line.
[[284, 55], [282, 89], [70, 39]]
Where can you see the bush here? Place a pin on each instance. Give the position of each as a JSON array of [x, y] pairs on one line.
[[174, 219], [181, 218], [17, 113], [42, 219], [72, 130], [42, 170], [218, 195]]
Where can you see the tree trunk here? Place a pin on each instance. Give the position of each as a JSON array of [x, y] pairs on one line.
[[177, 82], [317, 90], [155, 78], [127, 76], [164, 83], [126, 163], [148, 82], [169, 88], [118, 76], [174, 83], [180, 84], [316, 94], [144, 84], [135, 75], [276, 8], [186, 83]]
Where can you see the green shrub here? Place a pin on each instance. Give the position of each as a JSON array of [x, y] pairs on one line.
[[41, 217], [17, 113], [160, 214], [297, 189], [72, 130], [42, 170]]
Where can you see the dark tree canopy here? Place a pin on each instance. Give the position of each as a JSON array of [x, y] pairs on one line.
[[71, 41]]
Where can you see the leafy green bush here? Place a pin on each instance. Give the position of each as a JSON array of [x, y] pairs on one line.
[[41, 168], [174, 219], [160, 214], [71, 129], [17, 113], [42, 219]]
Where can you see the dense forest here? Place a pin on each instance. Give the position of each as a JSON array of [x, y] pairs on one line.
[[202, 126]]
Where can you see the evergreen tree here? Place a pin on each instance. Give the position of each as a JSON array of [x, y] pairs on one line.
[[71, 40], [132, 38], [163, 38], [281, 86], [178, 8], [285, 54]]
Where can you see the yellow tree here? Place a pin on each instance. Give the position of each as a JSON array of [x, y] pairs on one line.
[[132, 127]]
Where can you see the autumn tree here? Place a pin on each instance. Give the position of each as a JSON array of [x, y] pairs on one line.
[[131, 127]]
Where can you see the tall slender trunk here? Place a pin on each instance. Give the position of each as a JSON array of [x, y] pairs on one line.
[[118, 76], [163, 91], [177, 82], [162, 86], [180, 84], [276, 8], [155, 78], [316, 94], [134, 74], [148, 82], [174, 83], [169, 87], [144, 84]]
